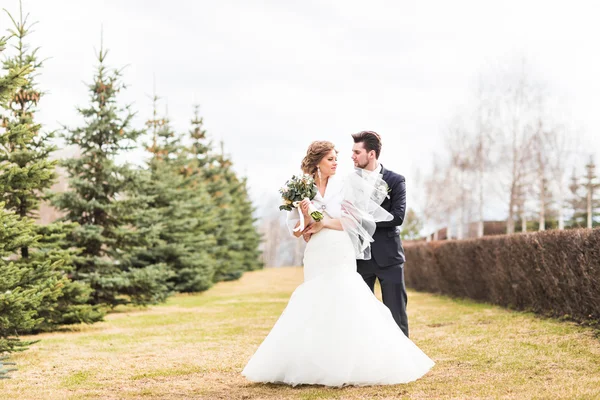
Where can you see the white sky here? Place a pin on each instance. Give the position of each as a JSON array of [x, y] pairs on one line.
[[272, 76]]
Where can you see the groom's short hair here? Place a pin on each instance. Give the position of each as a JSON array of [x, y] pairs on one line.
[[370, 140]]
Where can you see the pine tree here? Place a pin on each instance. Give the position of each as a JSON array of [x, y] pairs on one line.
[[180, 211], [72, 306], [592, 190], [576, 202], [14, 78], [247, 230], [214, 171], [237, 237], [28, 173], [18, 305], [585, 198], [201, 146], [104, 197], [27, 148], [17, 308]]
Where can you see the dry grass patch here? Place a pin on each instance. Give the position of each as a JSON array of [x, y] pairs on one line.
[[195, 347]]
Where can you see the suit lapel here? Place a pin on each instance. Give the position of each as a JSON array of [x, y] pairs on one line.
[[385, 174]]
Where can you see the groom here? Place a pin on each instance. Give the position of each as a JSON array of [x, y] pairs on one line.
[[387, 255]]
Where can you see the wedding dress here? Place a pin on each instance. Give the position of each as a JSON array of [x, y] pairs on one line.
[[334, 331]]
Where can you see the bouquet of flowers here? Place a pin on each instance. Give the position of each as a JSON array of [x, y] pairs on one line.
[[294, 191]]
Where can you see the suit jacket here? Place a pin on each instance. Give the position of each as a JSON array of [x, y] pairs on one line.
[[386, 250]]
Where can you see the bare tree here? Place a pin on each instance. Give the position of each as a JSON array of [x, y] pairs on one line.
[[279, 247], [435, 209], [459, 169], [560, 151], [541, 151], [519, 98], [483, 147], [510, 141]]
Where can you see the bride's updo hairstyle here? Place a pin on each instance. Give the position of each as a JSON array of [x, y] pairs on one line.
[[315, 153]]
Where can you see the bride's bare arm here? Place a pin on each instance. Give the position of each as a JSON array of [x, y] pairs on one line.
[[326, 222], [306, 221], [330, 223]]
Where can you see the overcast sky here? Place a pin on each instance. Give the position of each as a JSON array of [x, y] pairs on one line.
[[272, 76]]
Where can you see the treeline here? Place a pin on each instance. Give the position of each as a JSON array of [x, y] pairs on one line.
[[129, 234], [512, 148]]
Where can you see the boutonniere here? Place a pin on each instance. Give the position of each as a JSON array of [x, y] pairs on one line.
[[384, 188]]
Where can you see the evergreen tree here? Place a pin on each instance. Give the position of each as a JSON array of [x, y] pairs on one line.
[[412, 226], [214, 171], [14, 78], [26, 293], [592, 191], [585, 197], [247, 230], [27, 174], [577, 201], [18, 304], [27, 148], [103, 199], [72, 306], [16, 308], [5, 369], [201, 146], [180, 210], [237, 238]]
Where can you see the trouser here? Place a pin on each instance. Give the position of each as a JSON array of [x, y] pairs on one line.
[[393, 289]]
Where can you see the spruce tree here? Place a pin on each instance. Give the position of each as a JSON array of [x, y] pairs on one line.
[[180, 210], [591, 185], [237, 238], [576, 202], [17, 306], [212, 169], [27, 148], [104, 197], [28, 174], [247, 231]]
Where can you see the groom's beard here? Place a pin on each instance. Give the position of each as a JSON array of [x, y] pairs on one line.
[[361, 166]]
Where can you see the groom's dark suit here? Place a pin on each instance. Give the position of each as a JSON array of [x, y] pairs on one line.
[[387, 255]]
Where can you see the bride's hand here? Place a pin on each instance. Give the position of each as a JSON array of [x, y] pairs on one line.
[[314, 228], [305, 234], [304, 204]]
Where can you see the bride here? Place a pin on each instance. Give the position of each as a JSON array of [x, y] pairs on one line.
[[334, 331]]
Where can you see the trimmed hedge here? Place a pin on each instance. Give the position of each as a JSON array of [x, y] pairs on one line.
[[553, 273]]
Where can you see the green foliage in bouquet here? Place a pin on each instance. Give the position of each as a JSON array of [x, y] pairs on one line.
[[299, 188]]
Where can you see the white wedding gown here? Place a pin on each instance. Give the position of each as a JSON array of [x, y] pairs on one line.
[[334, 331]]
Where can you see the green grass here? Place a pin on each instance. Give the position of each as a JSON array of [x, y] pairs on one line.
[[195, 346]]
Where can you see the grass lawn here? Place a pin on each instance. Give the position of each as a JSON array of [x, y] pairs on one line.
[[195, 347]]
